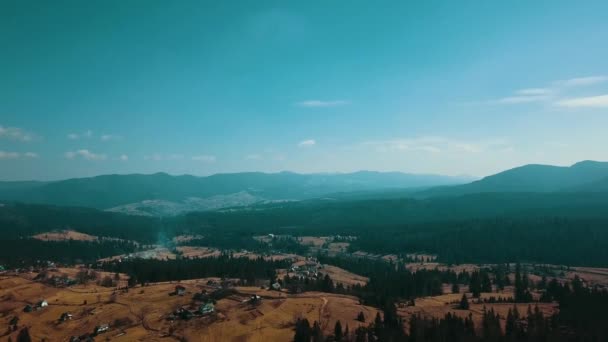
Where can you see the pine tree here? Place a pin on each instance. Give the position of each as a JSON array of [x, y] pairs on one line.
[[317, 333], [24, 335], [303, 332], [338, 331], [455, 288], [361, 317], [464, 302]]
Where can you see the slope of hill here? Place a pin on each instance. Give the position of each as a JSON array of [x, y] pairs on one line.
[[110, 191], [531, 178]]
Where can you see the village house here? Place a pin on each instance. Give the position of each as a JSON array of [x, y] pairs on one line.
[[180, 290], [65, 316], [276, 286], [42, 304], [101, 328], [206, 309]]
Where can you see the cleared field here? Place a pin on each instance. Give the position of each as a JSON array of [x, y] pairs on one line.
[[340, 275], [439, 306], [64, 235], [198, 252], [140, 314]]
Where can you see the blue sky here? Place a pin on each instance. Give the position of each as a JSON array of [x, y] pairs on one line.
[[202, 87]]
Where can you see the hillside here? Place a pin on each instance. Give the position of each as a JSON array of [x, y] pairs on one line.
[[111, 191], [532, 178]]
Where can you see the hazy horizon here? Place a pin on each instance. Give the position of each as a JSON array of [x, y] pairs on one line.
[[196, 88]]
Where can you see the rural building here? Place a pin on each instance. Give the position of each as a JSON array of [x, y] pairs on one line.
[[206, 309], [276, 286], [41, 304], [102, 328], [180, 290], [65, 316]]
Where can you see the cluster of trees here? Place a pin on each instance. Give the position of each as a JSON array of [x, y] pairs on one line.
[[477, 235], [19, 252], [580, 318], [152, 270], [389, 281], [302, 284], [496, 240]]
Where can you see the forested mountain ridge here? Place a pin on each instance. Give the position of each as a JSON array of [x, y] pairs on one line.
[[532, 178], [110, 191]]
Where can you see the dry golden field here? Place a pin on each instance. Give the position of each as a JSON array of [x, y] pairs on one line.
[[140, 314], [64, 235]]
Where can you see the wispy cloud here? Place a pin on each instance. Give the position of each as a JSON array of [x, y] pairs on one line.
[[8, 155], [534, 91], [123, 157], [307, 143], [84, 154], [88, 134], [582, 81], [522, 99], [30, 155], [600, 101], [204, 158], [556, 93], [322, 103], [436, 144], [110, 137], [16, 133]]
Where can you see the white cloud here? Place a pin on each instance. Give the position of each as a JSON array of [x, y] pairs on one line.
[[84, 135], [123, 157], [8, 155], [534, 91], [554, 92], [435, 144], [84, 154], [600, 101], [307, 143], [109, 137], [17, 155], [204, 158], [582, 81], [321, 103], [522, 99], [16, 133]]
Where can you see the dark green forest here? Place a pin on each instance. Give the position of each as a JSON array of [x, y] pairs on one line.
[[566, 228]]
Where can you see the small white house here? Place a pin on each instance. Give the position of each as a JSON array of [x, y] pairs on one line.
[[43, 303], [276, 286]]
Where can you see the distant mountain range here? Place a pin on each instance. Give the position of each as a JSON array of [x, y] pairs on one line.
[[161, 194], [585, 176]]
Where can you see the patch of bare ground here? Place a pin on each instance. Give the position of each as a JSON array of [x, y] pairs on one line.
[[198, 252], [439, 306], [64, 235], [186, 238], [340, 275]]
